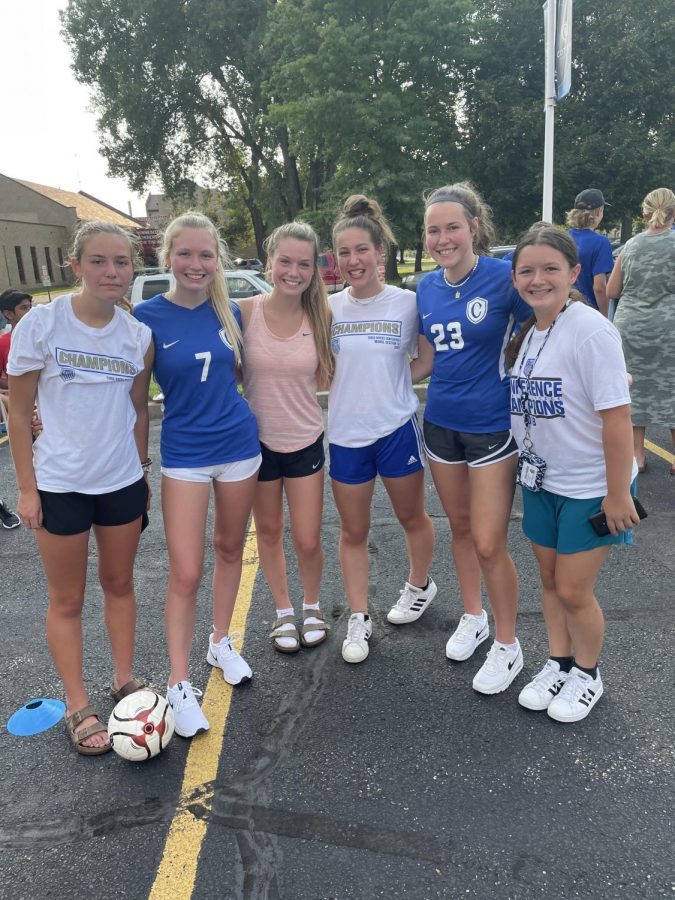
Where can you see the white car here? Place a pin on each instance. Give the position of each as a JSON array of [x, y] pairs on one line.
[[240, 283]]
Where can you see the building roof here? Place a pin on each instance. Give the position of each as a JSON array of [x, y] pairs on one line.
[[87, 208]]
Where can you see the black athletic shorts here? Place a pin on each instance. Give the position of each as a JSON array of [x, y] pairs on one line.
[[297, 464], [447, 446], [73, 513]]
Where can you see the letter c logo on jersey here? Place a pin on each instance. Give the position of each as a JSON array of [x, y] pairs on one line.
[[476, 310], [223, 337]]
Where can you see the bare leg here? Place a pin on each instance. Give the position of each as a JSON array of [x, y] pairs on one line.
[[184, 508], [353, 504], [575, 577], [559, 640], [639, 444], [268, 513], [117, 546], [407, 498], [305, 506], [65, 562], [452, 486], [234, 500]]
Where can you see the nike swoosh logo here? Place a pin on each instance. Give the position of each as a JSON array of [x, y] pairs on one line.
[[492, 446], [166, 346], [426, 315], [306, 333], [317, 463]]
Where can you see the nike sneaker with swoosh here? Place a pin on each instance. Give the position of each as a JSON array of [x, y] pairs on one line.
[[498, 671], [469, 634]]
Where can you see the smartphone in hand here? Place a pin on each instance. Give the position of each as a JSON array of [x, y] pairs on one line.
[[599, 520]]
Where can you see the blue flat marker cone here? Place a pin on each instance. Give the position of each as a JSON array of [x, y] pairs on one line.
[[36, 716]]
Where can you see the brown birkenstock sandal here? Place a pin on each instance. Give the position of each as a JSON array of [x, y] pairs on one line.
[[78, 735], [130, 687], [279, 632], [320, 625]]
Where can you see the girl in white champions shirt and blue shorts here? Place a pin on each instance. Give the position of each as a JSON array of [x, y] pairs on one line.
[[88, 364], [287, 357], [372, 426], [209, 440], [570, 409], [467, 311]]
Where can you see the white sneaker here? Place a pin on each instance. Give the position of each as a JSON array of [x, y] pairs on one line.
[[412, 603], [471, 631], [355, 646], [577, 697], [223, 655], [543, 688], [498, 671], [188, 717]]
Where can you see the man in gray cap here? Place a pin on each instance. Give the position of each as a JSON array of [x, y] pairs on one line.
[[595, 251]]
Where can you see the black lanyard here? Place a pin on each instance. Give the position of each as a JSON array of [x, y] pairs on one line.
[[529, 420]]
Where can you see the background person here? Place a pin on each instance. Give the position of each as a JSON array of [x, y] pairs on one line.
[[209, 441], [595, 250], [571, 416], [467, 311], [644, 279], [372, 426], [286, 356], [87, 363]]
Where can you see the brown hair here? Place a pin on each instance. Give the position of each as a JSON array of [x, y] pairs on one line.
[[359, 211], [218, 289], [474, 207], [557, 240], [658, 207], [314, 298]]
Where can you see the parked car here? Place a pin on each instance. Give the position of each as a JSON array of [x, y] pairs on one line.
[[330, 272], [411, 281], [240, 283], [255, 265]]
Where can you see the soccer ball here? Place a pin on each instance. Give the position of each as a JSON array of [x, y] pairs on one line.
[[140, 726]]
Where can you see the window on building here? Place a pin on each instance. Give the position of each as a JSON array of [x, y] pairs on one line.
[[36, 267], [62, 268], [48, 257], [19, 265]]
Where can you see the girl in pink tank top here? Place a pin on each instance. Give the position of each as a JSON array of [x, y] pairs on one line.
[[287, 356]]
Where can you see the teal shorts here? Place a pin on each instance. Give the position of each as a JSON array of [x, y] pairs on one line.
[[561, 523]]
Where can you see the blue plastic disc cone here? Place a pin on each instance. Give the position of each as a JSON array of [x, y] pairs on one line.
[[36, 716]]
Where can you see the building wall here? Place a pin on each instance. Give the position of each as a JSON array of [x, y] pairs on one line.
[[34, 230]]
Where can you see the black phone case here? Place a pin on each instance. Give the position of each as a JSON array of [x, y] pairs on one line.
[[599, 522]]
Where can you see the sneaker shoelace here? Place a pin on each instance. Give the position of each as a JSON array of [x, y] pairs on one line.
[[545, 679], [575, 687], [186, 698], [226, 644], [496, 659], [357, 630], [405, 601], [467, 627]]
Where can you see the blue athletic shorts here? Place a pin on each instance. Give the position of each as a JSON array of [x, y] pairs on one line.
[[393, 456], [561, 523]]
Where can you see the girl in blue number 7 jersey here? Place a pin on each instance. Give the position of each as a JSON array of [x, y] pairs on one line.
[[209, 437], [467, 311]]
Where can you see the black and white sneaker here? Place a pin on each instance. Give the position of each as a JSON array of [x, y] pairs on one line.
[[471, 631], [499, 669], [577, 697], [412, 603], [545, 685], [8, 518]]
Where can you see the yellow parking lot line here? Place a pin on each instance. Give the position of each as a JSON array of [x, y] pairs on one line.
[[4, 439], [659, 451], [177, 870]]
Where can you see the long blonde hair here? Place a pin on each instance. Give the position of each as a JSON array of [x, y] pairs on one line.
[[314, 297], [658, 207], [583, 218], [474, 207], [220, 298]]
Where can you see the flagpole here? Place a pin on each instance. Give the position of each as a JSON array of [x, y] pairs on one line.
[[549, 108]]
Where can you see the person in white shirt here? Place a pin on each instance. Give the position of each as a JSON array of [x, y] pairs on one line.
[[86, 361], [570, 414], [372, 426]]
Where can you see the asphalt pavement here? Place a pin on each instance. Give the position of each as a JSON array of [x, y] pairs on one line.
[[387, 779]]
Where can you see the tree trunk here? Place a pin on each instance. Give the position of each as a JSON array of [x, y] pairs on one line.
[[391, 268], [419, 247], [626, 229]]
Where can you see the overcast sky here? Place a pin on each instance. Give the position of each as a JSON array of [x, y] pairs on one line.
[[47, 133]]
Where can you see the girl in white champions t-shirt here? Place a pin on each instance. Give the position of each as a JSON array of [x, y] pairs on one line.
[[570, 413], [287, 357], [372, 426], [87, 363]]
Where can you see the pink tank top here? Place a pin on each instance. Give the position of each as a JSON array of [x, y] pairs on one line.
[[280, 383]]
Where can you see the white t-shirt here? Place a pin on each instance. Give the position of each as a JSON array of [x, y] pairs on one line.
[[371, 394], [87, 443], [580, 372]]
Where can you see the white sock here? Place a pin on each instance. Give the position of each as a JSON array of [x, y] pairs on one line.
[[312, 636], [513, 647], [286, 642], [481, 617]]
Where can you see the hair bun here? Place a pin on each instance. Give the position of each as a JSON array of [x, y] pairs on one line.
[[360, 205]]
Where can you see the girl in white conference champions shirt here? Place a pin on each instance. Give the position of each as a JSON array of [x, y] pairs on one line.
[[570, 410], [372, 427], [87, 362]]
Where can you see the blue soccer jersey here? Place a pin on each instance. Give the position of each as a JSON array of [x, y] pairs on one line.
[[206, 421], [595, 256], [469, 386]]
